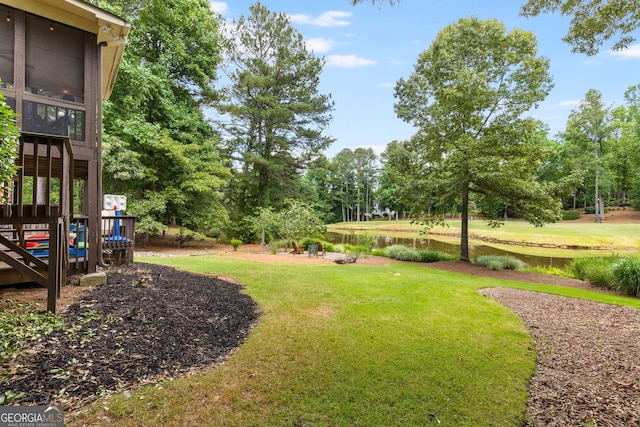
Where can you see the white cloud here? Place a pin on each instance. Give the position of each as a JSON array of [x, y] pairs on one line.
[[377, 149], [319, 45], [632, 52], [592, 62], [219, 6], [349, 61], [569, 103], [327, 19]]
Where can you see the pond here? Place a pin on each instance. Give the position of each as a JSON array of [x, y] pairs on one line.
[[452, 248]]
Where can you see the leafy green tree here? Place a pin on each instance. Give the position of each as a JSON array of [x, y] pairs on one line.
[[343, 180], [318, 177], [9, 135], [405, 182], [158, 149], [272, 112], [468, 96], [558, 166], [588, 131], [593, 22], [625, 150], [295, 221], [365, 165]]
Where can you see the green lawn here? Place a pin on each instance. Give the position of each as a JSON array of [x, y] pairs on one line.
[[355, 345]]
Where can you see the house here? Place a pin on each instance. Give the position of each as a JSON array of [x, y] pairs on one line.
[[58, 61]]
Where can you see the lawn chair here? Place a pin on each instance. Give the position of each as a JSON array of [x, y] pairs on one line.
[[296, 249], [321, 251]]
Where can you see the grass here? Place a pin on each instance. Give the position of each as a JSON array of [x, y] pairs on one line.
[[394, 345]]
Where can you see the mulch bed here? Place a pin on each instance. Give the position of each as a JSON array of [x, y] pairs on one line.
[[149, 323], [587, 367]]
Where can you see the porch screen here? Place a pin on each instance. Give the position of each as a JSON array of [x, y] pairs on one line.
[[53, 120], [54, 59], [7, 20]]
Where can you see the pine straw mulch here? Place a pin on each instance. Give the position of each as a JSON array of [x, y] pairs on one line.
[[587, 367], [588, 353], [147, 324]]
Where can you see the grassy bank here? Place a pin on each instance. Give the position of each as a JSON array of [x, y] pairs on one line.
[[351, 345], [517, 235]]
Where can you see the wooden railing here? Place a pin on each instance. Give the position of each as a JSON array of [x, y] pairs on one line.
[[118, 239]]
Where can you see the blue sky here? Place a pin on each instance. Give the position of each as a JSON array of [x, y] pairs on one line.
[[368, 48]]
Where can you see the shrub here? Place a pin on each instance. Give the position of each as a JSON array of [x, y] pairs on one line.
[[399, 252], [378, 252], [555, 271], [435, 256], [403, 253], [627, 275], [235, 243], [312, 241], [570, 215], [339, 248], [307, 241], [499, 262], [596, 270], [589, 210], [184, 236]]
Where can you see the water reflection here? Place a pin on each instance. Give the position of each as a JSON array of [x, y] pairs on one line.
[[451, 248]]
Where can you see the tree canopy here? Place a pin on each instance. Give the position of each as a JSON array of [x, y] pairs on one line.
[[273, 116], [468, 96], [593, 22], [8, 143], [158, 147]]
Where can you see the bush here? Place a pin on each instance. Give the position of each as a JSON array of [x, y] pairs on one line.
[[378, 252], [184, 236], [589, 210], [499, 262], [235, 243], [570, 215], [403, 253], [596, 270], [627, 275], [307, 241], [399, 252], [554, 271]]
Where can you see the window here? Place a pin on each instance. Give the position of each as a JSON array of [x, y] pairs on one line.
[[53, 120], [11, 102], [7, 20], [54, 59]]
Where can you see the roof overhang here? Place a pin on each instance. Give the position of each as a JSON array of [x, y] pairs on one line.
[[111, 31]]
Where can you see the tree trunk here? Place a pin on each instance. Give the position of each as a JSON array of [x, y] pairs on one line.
[[597, 201], [464, 232], [358, 205]]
